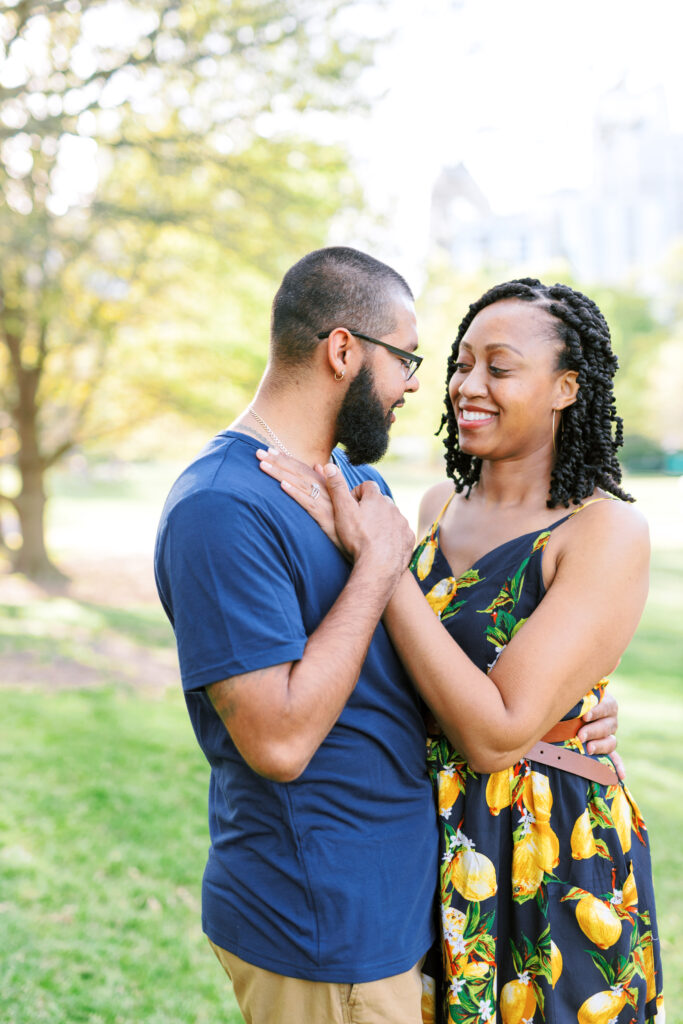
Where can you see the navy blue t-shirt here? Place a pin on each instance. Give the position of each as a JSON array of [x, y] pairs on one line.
[[330, 877]]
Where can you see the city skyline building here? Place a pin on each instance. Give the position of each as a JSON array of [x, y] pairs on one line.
[[618, 230]]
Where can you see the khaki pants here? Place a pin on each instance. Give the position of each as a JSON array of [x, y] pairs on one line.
[[267, 998]]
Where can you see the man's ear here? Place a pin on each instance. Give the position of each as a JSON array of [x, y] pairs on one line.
[[340, 344]]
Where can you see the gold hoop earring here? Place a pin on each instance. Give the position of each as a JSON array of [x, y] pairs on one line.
[[339, 376]]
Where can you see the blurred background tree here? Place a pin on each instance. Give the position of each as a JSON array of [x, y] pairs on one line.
[[148, 207]]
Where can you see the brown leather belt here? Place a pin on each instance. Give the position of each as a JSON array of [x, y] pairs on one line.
[[571, 761], [566, 730]]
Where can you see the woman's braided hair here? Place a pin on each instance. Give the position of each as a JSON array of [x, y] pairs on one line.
[[587, 444]]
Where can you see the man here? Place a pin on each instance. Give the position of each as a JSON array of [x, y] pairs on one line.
[[318, 891]]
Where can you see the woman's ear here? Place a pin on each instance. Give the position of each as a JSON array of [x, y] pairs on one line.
[[567, 389]]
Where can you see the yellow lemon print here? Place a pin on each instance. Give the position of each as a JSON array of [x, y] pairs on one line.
[[598, 921], [428, 1001], [544, 846], [426, 559], [537, 796], [527, 874], [629, 893], [621, 816], [555, 963], [582, 839], [649, 963], [498, 791], [473, 875], [589, 701], [517, 1001], [450, 788], [602, 1007], [441, 594], [476, 969]]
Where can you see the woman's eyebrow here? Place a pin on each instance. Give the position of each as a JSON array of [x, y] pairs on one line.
[[493, 345]]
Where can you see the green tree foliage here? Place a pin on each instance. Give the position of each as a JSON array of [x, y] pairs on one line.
[[637, 337], [149, 151]]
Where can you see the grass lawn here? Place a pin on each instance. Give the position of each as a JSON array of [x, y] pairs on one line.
[[103, 830], [104, 840]]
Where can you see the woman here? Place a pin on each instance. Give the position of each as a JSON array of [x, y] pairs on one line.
[[535, 568]]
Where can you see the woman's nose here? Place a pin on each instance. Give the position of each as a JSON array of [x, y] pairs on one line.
[[473, 384]]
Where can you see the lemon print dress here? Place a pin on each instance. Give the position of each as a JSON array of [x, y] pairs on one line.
[[547, 905]]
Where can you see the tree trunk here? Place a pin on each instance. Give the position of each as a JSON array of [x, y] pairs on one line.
[[32, 557]]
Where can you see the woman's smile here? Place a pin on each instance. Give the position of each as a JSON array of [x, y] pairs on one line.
[[471, 417]]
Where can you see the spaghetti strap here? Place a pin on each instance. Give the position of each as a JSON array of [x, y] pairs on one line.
[[427, 547], [431, 532], [438, 518], [593, 501], [564, 519]]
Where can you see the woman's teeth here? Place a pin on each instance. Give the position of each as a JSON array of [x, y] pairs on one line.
[[468, 415]]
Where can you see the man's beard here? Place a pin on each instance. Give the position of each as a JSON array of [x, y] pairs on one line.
[[362, 424]]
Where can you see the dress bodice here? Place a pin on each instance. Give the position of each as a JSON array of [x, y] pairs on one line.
[[486, 605]]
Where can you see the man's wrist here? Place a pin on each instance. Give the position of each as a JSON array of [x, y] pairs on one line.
[[380, 573]]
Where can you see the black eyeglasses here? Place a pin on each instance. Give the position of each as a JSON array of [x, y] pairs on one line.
[[409, 361]]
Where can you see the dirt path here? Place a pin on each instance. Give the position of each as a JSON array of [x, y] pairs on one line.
[[117, 582], [81, 656]]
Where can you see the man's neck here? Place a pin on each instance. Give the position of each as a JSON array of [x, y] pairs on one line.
[[289, 421]]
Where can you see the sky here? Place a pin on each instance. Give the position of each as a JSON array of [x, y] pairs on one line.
[[508, 87]]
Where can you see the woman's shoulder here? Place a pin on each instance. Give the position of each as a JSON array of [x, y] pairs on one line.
[[601, 508], [607, 537], [601, 518], [432, 503]]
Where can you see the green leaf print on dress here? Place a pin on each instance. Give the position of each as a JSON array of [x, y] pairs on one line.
[[606, 1005], [504, 624], [523, 995], [471, 948]]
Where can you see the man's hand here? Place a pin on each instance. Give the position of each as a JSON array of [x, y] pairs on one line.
[[369, 525], [597, 735]]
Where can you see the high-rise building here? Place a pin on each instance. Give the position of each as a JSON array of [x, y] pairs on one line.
[[619, 230]]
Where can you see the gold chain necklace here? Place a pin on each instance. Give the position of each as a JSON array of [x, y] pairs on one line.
[[270, 432]]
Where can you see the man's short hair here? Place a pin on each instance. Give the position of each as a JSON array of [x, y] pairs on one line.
[[328, 288]]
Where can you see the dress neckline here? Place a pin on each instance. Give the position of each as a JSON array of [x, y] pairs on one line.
[[436, 529]]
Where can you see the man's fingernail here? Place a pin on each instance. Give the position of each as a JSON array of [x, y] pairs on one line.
[[261, 451], [588, 716], [272, 451], [330, 469]]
